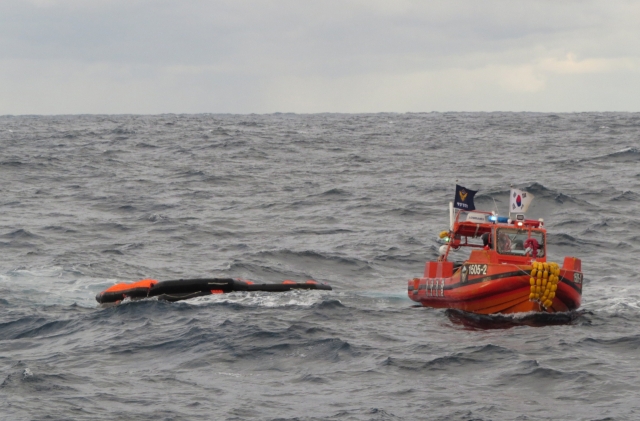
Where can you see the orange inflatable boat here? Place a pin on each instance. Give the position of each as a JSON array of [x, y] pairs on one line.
[[507, 270]]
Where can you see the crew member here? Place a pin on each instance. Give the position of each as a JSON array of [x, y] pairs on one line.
[[504, 243]]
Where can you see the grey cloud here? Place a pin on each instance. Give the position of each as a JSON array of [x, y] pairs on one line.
[[327, 49], [203, 32]]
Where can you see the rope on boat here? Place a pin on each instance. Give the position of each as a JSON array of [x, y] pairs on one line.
[[544, 282]]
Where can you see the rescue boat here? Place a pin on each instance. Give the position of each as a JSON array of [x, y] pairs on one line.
[[184, 289], [506, 272]]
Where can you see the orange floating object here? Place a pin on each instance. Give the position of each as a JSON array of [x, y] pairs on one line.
[[145, 283]]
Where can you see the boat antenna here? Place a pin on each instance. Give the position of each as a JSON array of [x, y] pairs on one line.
[[452, 211], [509, 201]]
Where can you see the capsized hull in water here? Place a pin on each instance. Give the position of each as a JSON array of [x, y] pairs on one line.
[[184, 289]]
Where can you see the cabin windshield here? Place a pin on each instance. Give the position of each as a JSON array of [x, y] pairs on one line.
[[511, 241]]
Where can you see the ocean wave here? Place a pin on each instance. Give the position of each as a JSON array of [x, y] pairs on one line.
[[628, 344], [544, 196], [544, 193], [472, 358], [350, 200], [629, 154], [564, 239], [627, 196], [309, 258], [540, 375], [321, 231], [335, 192], [23, 379], [12, 164], [41, 328], [625, 155], [20, 234]]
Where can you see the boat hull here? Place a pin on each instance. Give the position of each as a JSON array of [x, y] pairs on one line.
[[492, 288]]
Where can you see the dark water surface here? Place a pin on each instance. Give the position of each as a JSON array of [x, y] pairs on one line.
[[356, 201]]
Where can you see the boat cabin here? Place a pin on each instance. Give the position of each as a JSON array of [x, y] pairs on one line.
[[503, 240]]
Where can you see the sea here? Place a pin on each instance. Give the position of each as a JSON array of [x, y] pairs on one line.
[[352, 200]]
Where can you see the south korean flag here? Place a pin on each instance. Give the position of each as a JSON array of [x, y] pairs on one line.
[[519, 201]]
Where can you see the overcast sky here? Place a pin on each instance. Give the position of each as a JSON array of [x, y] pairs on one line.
[[308, 56]]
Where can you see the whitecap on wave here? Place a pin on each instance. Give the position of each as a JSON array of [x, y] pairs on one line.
[[51, 286], [264, 299]]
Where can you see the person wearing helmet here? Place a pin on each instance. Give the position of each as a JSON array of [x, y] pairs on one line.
[[486, 240]]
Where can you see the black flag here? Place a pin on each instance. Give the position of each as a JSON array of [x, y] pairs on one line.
[[464, 198]]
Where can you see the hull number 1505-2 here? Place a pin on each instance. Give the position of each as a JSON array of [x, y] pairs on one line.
[[477, 269]]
